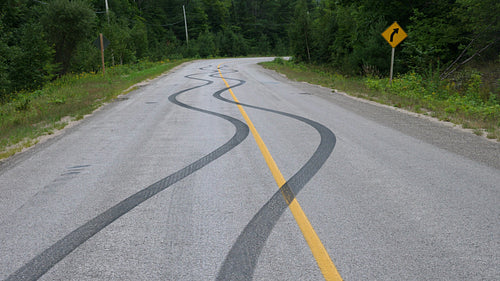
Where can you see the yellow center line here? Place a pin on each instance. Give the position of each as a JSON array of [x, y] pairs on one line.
[[319, 252]]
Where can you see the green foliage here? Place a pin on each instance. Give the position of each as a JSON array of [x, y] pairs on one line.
[[262, 46], [481, 24], [433, 39], [267, 20], [67, 23], [33, 60], [139, 38], [26, 58], [217, 13], [41, 38], [23, 102], [231, 44], [448, 101], [34, 113], [301, 32], [87, 58], [4, 71], [412, 91], [205, 45], [279, 61], [445, 38], [121, 48], [346, 34]]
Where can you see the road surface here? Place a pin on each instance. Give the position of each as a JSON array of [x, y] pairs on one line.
[[183, 179]]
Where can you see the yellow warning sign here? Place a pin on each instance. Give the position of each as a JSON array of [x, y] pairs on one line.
[[394, 34]]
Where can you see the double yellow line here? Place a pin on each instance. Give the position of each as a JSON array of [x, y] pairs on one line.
[[319, 252]]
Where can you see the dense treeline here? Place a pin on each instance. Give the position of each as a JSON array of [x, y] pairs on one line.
[[41, 39], [346, 33]]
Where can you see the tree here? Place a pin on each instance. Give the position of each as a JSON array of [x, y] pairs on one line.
[[121, 48], [67, 23], [197, 19], [139, 37], [481, 33], [206, 44], [300, 32], [26, 58], [217, 13], [4, 81], [32, 63], [230, 43]]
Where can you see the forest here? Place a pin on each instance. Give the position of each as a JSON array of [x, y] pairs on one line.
[[41, 40]]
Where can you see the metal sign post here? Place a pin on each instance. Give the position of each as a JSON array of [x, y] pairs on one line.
[[392, 63], [394, 35]]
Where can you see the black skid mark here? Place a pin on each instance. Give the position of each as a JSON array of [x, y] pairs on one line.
[[44, 261], [241, 260]]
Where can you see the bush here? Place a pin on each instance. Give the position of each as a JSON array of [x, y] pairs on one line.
[[279, 61], [67, 23]]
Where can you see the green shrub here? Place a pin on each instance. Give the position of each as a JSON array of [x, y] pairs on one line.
[[279, 61]]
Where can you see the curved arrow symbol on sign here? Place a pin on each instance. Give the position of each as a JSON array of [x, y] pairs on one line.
[[390, 34], [396, 30]]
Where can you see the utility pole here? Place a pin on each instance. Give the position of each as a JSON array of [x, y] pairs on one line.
[[107, 15], [107, 9], [185, 25]]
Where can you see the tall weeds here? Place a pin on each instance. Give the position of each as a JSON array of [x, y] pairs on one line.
[[464, 99], [32, 114]]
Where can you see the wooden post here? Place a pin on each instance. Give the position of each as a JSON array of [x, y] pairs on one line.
[[102, 54]]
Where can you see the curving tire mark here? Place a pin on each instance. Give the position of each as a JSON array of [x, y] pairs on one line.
[[241, 260], [44, 261]]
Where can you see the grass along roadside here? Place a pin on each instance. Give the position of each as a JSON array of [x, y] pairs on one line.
[[31, 115], [470, 106]]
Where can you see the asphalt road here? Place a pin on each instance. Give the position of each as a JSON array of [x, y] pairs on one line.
[[169, 183]]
